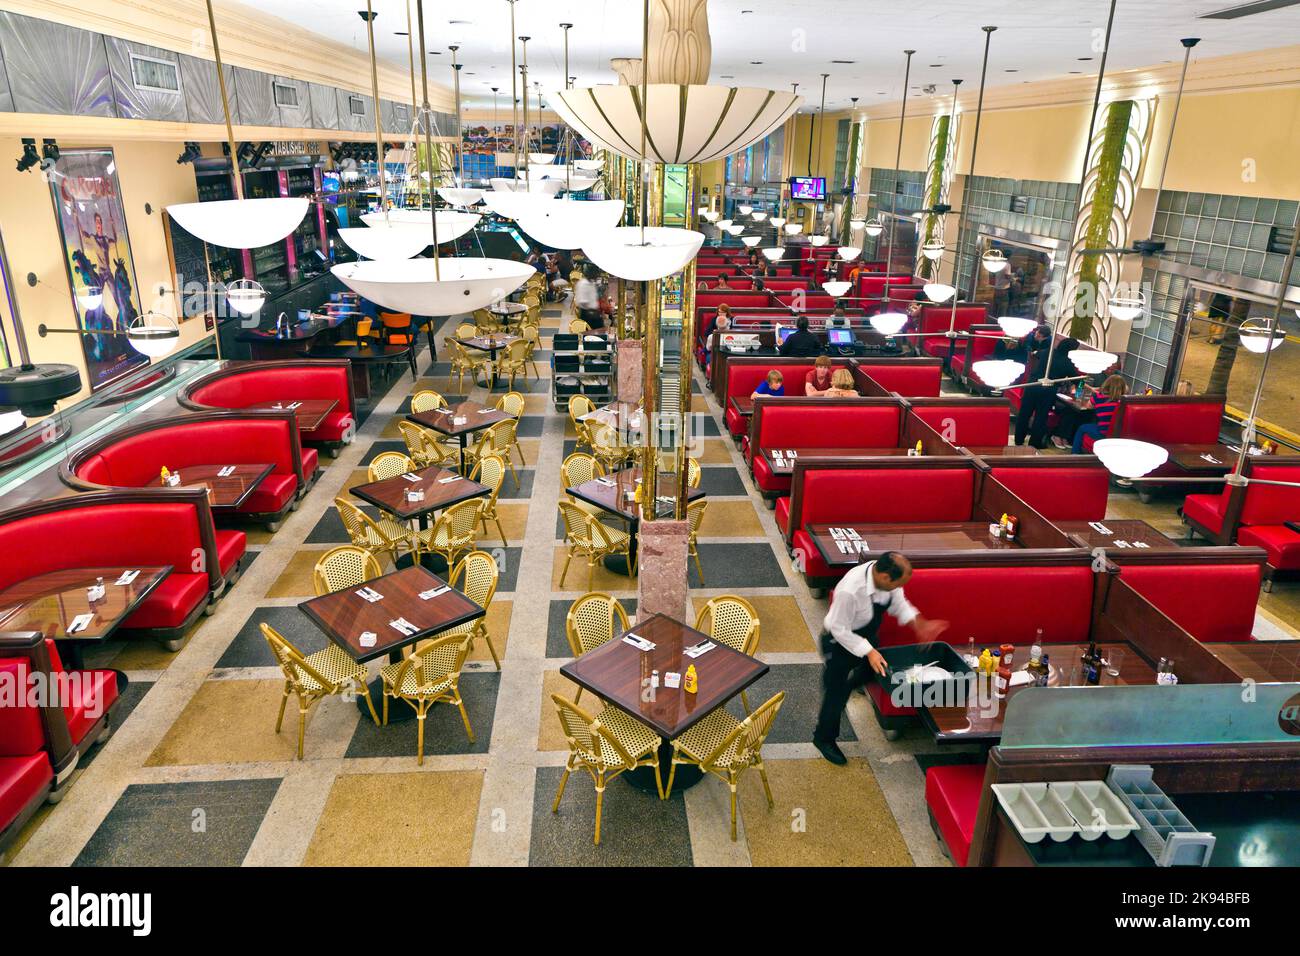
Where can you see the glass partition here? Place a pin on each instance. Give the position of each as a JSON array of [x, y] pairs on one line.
[[1020, 288]]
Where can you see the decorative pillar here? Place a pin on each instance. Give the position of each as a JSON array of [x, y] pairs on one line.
[[628, 69], [680, 48], [938, 178]]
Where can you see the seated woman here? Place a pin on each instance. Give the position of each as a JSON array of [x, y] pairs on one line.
[[841, 385], [1105, 402], [774, 384]]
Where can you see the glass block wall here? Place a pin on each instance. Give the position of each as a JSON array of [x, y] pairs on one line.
[[1049, 212], [911, 191], [1223, 233]]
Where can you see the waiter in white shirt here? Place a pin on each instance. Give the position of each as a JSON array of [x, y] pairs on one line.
[[861, 600]]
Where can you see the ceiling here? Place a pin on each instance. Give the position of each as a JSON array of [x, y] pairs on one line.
[[773, 43]]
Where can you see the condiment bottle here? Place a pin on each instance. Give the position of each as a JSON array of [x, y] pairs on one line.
[[690, 682]]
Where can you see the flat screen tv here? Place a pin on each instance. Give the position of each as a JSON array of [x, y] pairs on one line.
[[808, 187]]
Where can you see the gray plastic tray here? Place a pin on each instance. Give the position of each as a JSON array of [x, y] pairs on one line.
[[1095, 809], [1035, 811], [1167, 835]]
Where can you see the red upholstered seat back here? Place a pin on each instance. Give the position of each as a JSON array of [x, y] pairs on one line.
[[1173, 423], [291, 383], [872, 285], [144, 533], [737, 300], [965, 424], [1269, 504], [21, 731], [885, 495], [1000, 604], [828, 426], [908, 380], [936, 318], [743, 378], [1213, 602], [982, 346], [784, 285], [138, 459], [805, 301], [1059, 494]]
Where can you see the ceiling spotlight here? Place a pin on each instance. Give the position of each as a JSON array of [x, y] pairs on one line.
[[30, 157], [189, 154], [50, 153]]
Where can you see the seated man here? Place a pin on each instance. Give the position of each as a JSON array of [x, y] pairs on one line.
[[772, 385], [803, 343]]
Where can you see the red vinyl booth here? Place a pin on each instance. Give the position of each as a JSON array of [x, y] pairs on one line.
[[967, 423], [871, 285], [952, 796], [935, 320], [870, 496], [135, 459], [160, 528], [1254, 515], [744, 377], [977, 348], [828, 424], [909, 378], [1212, 602], [1167, 420], [805, 301], [240, 386], [1062, 493]]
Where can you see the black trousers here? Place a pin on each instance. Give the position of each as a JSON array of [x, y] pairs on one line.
[[1036, 403], [843, 672]]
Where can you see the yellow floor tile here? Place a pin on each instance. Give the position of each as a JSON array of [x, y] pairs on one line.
[[498, 624], [257, 535], [537, 404], [531, 447], [145, 655], [824, 816], [296, 578], [781, 627], [715, 452], [549, 734], [603, 578], [398, 819], [232, 721], [513, 519], [730, 519]]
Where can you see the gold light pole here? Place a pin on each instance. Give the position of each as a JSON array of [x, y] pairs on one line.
[[426, 116], [410, 54], [523, 82], [898, 162], [225, 104], [369, 17], [459, 155]]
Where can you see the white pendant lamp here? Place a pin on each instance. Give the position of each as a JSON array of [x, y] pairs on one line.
[[643, 255], [998, 373], [933, 251], [448, 286], [512, 205], [1091, 361], [393, 240], [90, 298], [745, 210], [500, 184], [724, 224], [837, 288], [849, 253], [777, 221], [1258, 337], [712, 215], [245, 296], [460, 196], [591, 164], [241, 223], [938, 291], [793, 228], [451, 224], [994, 261], [1129, 458], [541, 159], [1016, 327], [758, 216], [857, 225], [874, 227], [1126, 308], [735, 229], [566, 224], [153, 334], [889, 323], [751, 241], [818, 240], [774, 253]]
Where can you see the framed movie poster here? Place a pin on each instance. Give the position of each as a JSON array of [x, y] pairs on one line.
[[97, 255]]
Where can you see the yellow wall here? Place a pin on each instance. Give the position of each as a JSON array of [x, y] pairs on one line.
[[882, 143], [1044, 144]]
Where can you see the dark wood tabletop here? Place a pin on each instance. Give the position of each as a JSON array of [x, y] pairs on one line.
[[1265, 662], [229, 491], [442, 488], [344, 615], [779, 460], [1000, 451], [909, 538], [1119, 533], [611, 492], [981, 721], [310, 412], [489, 343], [618, 673], [459, 419], [743, 404], [49, 602], [1193, 458], [365, 352]]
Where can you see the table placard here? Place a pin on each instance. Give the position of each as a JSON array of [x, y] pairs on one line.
[[79, 623], [127, 577], [699, 650], [434, 592], [640, 643]]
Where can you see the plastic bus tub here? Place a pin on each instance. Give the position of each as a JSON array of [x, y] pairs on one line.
[[1163, 830], [1036, 811], [1095, 808]]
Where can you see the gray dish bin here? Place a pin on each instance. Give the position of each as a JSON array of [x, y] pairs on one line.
[[1036, 811], [1167, 835], [1095, 808]]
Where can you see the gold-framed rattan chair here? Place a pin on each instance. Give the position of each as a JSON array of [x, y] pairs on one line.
[[497, 440], [313, 677], [693, 472], [466, 330], [587, 536], [514, 361], [486, 321], [462, 364], [490, 471], [580, 405], [383, 537], [453, 532], [429, 676], [731, 620], [594, 619], [512, 403], [578, 326], [476, 576], [722, 745], [606, 745], [424, 448], [606, 446], [426, 400], [389, 464], [694, 516], [533, 337], [580, 468], [346, 566]]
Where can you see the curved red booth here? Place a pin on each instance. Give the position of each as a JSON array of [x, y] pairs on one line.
[[935, 320], [1058, 487], [243, 385], [745, 374], [971, 422], [1254, 514], [818, 423], [134, 457]]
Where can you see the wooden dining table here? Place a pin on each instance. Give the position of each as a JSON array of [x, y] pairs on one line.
[[226, 492], [344, 616], [440, 487], [619, 674], [1118, 533], [50, 602], [309, 412], [843, 550], [613, 493], [781, 461], [1265, 662], [1211, 460], [459, 421]]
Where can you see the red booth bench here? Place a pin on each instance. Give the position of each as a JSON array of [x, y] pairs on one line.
[[817, 423], [1211, 593], [909, 377], [744, 375], [1253, 514], [970, 422], [1059, 487], [952, 797], [935, 320], [241, 385]]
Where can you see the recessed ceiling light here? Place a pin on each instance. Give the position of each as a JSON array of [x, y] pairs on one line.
[[935, 65], [726, 76], [755, 62], [844, 61], [400, 33], [1084, 59], [435, 53], [460, 23], [1011, 71], [1079, 72]]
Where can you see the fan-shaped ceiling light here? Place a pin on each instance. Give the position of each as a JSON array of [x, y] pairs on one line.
[[998, 373], [642, 255], [1126, 308], [751, 241], [451, 224], [938, 291], [1091, 361], [1129, 458], [994, 260], [460, 196], [874, 227], [777, 221], [793, 228], [541, 159], [849, 253], [933, 251], [684, 123], [566, 224], [818, 240], [393, 240], [889, 323], [857, 225], [745, 210], [245, 296], [774, 253], [836, 288], [1258, 336], [1016, 327], [735, 229], [241, 223], [758, 216], [425, 287]]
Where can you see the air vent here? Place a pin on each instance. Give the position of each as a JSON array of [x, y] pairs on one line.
[[1020, 204], [1279, 240], [1248, 9], [285, 95], [154, 75], [356, 106]]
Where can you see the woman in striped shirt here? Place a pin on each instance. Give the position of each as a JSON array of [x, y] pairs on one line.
[[1105, 402]]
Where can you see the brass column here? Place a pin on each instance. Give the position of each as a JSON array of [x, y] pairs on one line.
[[652, 208], [687, 341]]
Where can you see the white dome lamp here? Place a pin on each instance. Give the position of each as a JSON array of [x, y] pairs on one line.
[[735, 229], [751, 241], [777, 221], [933, 251], [461, 196], [151, 334], [793, 228], [994, 261], [745, 210], [643, 254], [1260, 337], [90, 298], [723, 223], [1016, 327], [448, 286], [566, 224], [758, 216], [836, 288], [1129, 458], [874, 227], [382, 240], [857, 225], [773, 253], [938, 291], [998, 373], [818, 240], [1126, 308], [1092, 361], [889, 323], [849, 253], [245, 296]]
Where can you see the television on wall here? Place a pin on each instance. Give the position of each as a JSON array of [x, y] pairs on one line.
[[808, 187]]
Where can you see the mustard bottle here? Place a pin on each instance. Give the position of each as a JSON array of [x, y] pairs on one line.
[[986, 662], [165, 474], [690, 683], [918, 446]]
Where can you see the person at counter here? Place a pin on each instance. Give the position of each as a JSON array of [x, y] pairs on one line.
[[802, 343], [862, 597], [819, 380]]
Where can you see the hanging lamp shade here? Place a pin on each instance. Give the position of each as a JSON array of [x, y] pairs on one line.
[[735, 229], [592, 164], [1126, 308], [938, 291], [793, 228], [1129, 458], [1091, 361], [889, 323], [541, 159], [998, 373], [724, 223], [153, 334], [751, 241], [460, 196], [995, 260], [34, 389], [393, 240], [777, 221], [566, 224], [451, 224], [758, 216], [745, 210], [933, 251], [849, 253], [621, 252], [874, 227], [90, 298], [428, 287], [241, 223], [836, 288], [857, 225], [1016, 327], [1258, 337], [818, 240], [245, 296], [512, 205], [774, 253]]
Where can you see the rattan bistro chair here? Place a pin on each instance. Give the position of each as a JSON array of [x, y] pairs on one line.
[[389, 464], [427, 400], [476, 577], [343, 567], [325, 673], [424, 448], [594, 619], [382, 538], [694, 516], [515, 361], [588, 537], [512, 403], [720, 744], [490, 472], [605, 746], [497, 440], [731, 620], [452, 533], [429, 676]]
